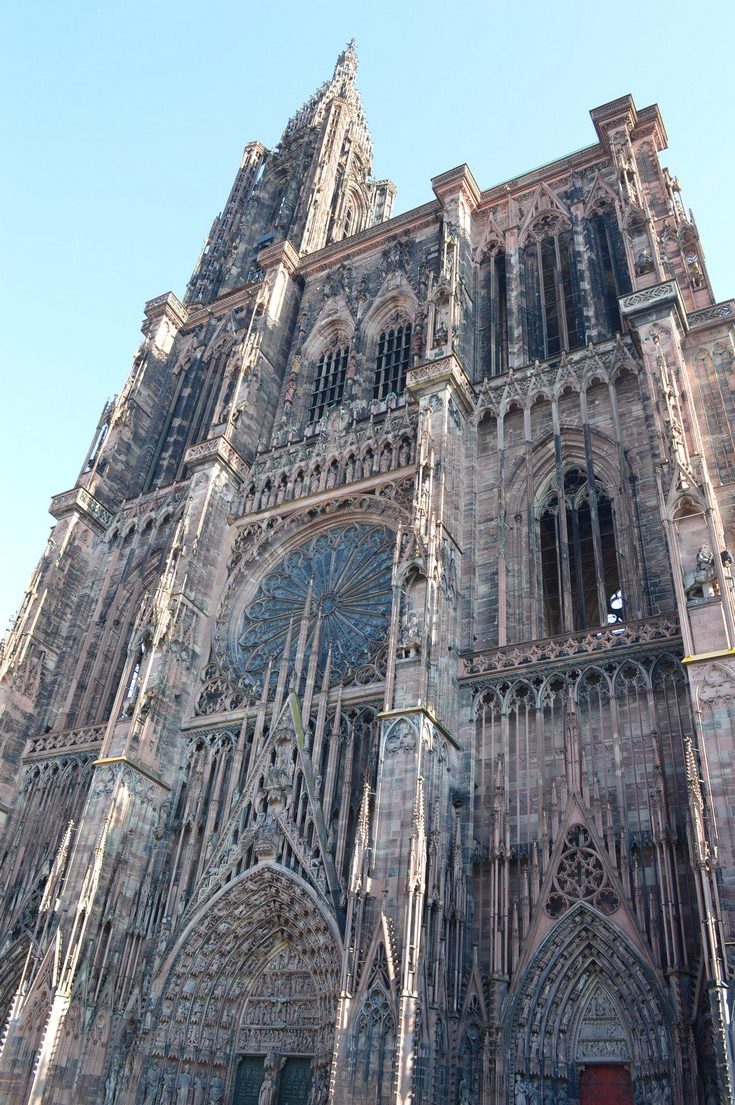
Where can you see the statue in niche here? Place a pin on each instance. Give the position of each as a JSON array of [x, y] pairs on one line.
[[409, 639], [702, 582], [696, 275], [627, 175], [151, 1085], [644, 262], [319, 1085], [184, 1088], [200, 1084], [269, 1086], [465, 1097]]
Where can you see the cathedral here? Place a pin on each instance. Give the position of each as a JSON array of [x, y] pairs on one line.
[[368, 724]]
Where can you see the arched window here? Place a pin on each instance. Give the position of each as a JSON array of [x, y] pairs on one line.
[[579, 565], [498, 316], [493, 310], [607, 248], [391, 366], [553, 315], [329, 384], [131, 694], [373, 1049]]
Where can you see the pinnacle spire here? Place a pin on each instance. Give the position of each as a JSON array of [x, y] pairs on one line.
[[346, 66]]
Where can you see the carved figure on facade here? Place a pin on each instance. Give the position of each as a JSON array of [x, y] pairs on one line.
[[701, 582]]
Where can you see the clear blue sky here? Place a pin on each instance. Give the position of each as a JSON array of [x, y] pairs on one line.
[[124, 124]]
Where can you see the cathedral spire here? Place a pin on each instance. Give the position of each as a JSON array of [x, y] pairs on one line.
[[346, 67], [312, 189]]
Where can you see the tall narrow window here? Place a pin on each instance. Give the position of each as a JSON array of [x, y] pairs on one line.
[[579, 566], [134, 681], [612, 269], [554, 316], [329, 385], [495, 287], [394, 354]]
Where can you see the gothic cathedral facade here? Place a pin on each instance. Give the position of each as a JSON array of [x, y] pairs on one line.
[[368, 726]]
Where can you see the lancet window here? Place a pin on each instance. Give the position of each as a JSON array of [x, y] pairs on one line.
[[579, 565], [612, 270], [131, 694], [393, 358], [554, 316], [373, 1049], [497, 302], [329, 385]]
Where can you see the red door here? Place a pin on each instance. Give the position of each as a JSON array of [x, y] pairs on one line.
[[605, 1084]]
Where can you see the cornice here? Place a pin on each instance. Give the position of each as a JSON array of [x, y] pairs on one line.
[[218, 450], [654, 300], [126, 761], [459, 180], [370, 239], [202, 312], [83, 503], [588, 155]]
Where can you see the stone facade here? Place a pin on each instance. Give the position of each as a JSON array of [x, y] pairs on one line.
[[367, 726]]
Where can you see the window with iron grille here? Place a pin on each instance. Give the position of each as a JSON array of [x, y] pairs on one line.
[[394, 353], [329, 385]]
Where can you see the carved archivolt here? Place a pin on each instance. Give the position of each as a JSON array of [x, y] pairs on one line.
[[586, 970], [222, 988]]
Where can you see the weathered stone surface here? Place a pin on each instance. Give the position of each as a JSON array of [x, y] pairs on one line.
[[367, 726]]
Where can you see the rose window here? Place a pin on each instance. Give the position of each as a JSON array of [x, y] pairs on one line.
[[349, 570], [580, 877]]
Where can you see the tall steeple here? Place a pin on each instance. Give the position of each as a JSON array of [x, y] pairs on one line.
[[313, 188]]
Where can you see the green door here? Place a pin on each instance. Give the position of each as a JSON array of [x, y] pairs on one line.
[[295, 1082], [248, 1079]]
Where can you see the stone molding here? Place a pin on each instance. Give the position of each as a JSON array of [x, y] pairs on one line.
[[78, 500], [431, 375], [88, 738], [167, 305], [570, 646], [646, 300], [218, 450], [716, 313]]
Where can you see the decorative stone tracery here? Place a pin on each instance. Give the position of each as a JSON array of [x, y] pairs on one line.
[[340, 581]]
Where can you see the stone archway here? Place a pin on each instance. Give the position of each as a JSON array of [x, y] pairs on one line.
[[588, 999], [249, 992]]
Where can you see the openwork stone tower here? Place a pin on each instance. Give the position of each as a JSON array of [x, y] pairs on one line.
[[367, 726]]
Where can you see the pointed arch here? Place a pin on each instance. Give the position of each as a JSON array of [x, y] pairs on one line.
[[585, 955], [250, 943], [371, 1043], [396, 300]]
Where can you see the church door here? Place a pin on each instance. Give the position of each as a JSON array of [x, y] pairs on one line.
[[295, 1082], [248, 1079], [605, 1084]]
